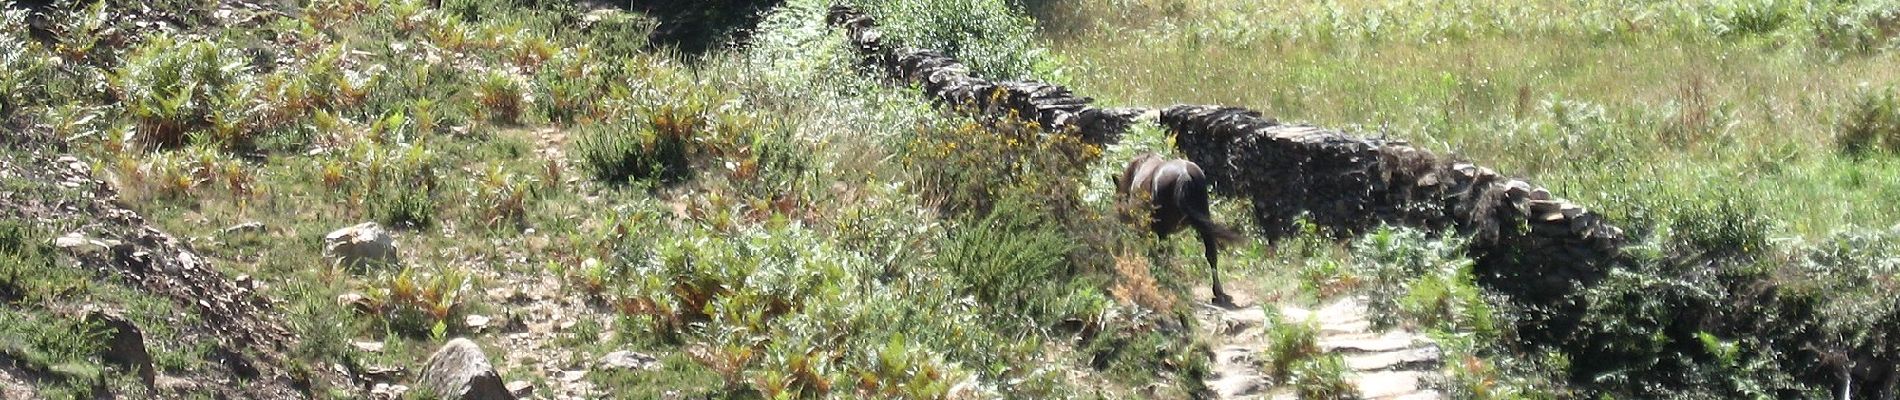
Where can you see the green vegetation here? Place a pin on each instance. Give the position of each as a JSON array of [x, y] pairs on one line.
[[40, 333], [1737, 141], [772, 220]]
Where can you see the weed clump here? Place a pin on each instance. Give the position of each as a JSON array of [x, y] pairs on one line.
[[1009, 257], [173, 87], [1872, 124], [1289, 344], [657, 149], [418, 302], [1322, 378], [991, 36]]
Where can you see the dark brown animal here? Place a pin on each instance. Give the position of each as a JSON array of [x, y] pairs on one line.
[[1172, 192]]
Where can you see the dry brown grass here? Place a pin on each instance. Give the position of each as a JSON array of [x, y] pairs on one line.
[[1135, 285]]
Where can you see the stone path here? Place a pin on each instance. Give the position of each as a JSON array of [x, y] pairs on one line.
[[1392, 365]]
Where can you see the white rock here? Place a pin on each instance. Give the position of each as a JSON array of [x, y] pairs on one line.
[[628, 360], [476, 322], [361, 245]]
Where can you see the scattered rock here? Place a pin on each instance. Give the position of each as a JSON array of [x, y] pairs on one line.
[[461, 371], [385, 391], [476, 322], [247, 227], [628, 360], [521, 388], [355, 300], [370, 347], [359, 246], [571, 376], [80, 244]]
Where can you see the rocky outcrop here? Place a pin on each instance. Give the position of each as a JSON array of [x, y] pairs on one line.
[[459, 370], [238, 325], [1053, 107]]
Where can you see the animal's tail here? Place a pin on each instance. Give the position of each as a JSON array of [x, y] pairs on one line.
[[1205, 223], [1194, 206]]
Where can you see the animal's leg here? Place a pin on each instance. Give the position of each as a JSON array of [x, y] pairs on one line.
[[1210, 245]]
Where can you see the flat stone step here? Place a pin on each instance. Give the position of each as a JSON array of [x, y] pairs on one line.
[[1237, 355], [1389, 341], [1237, 386], [1425, 358], [1389, 384], [1418, 395], [1359, 326]]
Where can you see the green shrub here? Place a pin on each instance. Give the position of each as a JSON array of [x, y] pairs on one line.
[[64, 349], [1729, 223], [24, 67], [696, 26], [1857, 26], [1289, 344], [1750, 17], [36, 340], [1009, 258], [992, 37], [418, 302], [1871, 124], [172, 87], [1423, 280], [499, 94], [657, 149], [28, 273], [1322, 378], [966, 165], [405, 206]]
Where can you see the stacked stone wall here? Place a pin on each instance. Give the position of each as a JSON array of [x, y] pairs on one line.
[[1347, 184]]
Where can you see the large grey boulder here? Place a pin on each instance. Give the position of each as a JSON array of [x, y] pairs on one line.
[[460, 371], [359, 246]]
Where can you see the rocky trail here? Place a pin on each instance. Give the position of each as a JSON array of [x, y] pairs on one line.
[[1392, 365]]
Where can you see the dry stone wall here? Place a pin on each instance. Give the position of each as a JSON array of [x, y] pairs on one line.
[[1053, 107], [1522, 234], [1349, 184]]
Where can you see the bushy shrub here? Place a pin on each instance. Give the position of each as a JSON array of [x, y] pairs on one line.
[[172, 86], [994, 38], [1289, 344], [1750, 17], [420, 302], [698, 26], [1423, 280], [1728, 223], [1009, 258], [1871, 124], [27, 271], [65, 350], [500, 96], [1322, 378], [24, 66], [405, 206], [965, 166], [1857, 26], [656, 149]]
